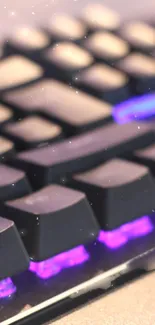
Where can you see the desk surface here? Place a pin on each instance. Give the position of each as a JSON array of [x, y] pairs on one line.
[[133, 304]]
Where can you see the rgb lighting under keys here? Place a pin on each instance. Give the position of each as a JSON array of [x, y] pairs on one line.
[[120, 236], [77, 256], [7, 288], [54, 265], [113, 239], [137, 108]]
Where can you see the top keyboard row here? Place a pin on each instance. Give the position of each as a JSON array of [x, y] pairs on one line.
[[94, 52]]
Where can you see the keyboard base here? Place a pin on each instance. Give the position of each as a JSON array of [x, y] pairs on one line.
[[104, 266]]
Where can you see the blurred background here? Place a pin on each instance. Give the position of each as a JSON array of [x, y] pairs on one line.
[[13, 12]]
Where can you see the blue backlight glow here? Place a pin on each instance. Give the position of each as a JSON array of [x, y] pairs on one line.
[[137, 108]]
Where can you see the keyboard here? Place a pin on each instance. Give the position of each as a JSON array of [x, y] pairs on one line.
[[77, 143]]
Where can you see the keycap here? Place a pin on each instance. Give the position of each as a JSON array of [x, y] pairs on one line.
[[82, 152], [13, 256], [13, 183], [63, 27], [153, 53], [6, 114], [32, 131], [65, 58], [140, 36], [141, 70], [72, 109], [53, 220], [1, 50], [7, 149], [104, 82], [97, 17], [146, 156], [27, 40], [119, 191], [16, 70], [106, 47]]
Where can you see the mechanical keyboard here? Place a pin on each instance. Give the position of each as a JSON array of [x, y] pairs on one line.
[[77, 143]]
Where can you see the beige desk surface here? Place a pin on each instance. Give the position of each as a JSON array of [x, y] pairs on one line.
[[133, 304]]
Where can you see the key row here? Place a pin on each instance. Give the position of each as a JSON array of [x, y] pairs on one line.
[[87, 111], [94, 18], [72, 109], [82, 152], [111, 190], [80, 255], [14, 182], [55, 111], [60, 158], [51, 162], [67, 112], [135, 74], [78, 153]]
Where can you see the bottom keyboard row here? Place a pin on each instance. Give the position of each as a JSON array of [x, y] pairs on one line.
[[79, 255], [49, 230]]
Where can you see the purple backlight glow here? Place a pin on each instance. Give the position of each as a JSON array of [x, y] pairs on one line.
[[48, 268], [120, 236], [112, 239], [136, 108], [7, 288]]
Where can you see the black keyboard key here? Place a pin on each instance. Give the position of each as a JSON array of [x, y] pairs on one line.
[[80, 153], [26, 40], [1, 49], [104, 82], [139, 35], [146, 156], [53, 220], [63, 27], [16, 71], [26, 100], [6, 114], [32, 132], [98, 17], [13, 183], [13, 256], [141, 70], [106, 47], [7, 149], [64, 59], [118, 191], [153, 53], [74, 110]]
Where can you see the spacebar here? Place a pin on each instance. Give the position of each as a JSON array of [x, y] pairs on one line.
[[82, 152]]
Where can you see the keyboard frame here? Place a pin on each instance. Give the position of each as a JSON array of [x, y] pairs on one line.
[[71, 285]]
